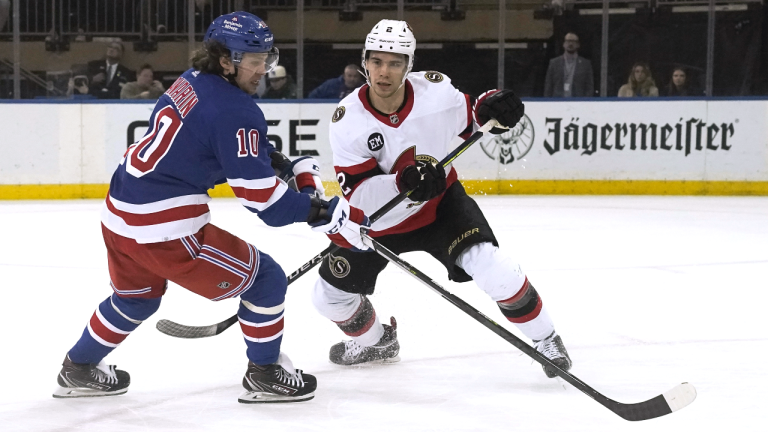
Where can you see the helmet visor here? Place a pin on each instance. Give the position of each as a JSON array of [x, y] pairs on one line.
[[273, 55], [262, 62]]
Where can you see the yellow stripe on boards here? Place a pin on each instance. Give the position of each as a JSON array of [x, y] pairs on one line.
[[476, 187], [613, 187], [53, 191]]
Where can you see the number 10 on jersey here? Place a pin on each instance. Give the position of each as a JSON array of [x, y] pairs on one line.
[[248, 144]]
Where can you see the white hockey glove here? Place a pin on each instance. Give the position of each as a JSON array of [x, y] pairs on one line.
[[301, 175], [341, 222]]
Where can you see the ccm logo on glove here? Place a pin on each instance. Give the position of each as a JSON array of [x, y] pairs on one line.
[[341, 222]]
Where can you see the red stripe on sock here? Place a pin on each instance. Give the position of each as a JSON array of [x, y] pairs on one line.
[[105, 333], [516, 298], [262, 332], [366, 327], [528, 317]]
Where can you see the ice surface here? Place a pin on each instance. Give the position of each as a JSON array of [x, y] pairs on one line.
[[647, 292]]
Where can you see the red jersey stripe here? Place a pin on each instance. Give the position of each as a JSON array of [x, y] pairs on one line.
[[170, 215], [255, 195], [359, 168]]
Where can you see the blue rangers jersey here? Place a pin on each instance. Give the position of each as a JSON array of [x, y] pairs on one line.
[[203, 131]]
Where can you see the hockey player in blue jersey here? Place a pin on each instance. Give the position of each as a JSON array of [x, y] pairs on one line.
[[206, 130]]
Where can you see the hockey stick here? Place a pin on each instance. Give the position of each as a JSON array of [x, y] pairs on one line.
[[677, 398], [193, 332]]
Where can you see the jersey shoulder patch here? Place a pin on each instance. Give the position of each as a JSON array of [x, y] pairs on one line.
[[338, 114], [433, 76]]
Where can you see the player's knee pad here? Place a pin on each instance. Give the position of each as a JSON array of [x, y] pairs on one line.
[[333, 303], [135, 309], [269, 286], [492, 270]]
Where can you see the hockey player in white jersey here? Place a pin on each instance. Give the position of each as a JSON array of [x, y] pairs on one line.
[[386, 137]]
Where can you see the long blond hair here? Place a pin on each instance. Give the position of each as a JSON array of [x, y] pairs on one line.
[[644, 88]]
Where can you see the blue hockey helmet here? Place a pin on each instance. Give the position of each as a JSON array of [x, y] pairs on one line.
[[243, 32]]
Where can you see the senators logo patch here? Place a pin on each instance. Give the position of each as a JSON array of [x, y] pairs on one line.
[[338, 114], [339, 266], [433, 76]]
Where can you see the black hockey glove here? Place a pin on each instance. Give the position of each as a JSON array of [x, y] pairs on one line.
[[503, 105], [279, 162], [427, 181]]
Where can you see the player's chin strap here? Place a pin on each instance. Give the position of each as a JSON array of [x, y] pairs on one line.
[[193, 332]]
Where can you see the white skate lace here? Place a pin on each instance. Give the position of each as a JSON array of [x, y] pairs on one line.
[[295, 380], [548, 347], [104, 373], [352, 349]]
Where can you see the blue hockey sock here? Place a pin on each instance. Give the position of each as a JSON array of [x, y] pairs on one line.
[[261, 312], [114, 319]]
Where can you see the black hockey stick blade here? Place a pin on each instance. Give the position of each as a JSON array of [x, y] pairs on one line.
[[189, 332], [666, 403]]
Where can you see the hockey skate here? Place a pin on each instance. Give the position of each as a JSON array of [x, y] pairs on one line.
[[90, 380], [348, 353], [552, 347], [278, 382]]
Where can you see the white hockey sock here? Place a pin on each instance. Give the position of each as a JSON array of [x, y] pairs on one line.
[[353, 313], [504, 281]]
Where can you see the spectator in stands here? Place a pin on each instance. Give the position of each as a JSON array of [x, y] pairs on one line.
[[569, 75], [679, 85], [338, 88], [281, 85], [145, 86], [108, 76], [5, 7], [640, 83]]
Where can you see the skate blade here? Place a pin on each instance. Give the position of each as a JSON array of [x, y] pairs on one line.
[[385, 361], [250, 397], [78, 392]]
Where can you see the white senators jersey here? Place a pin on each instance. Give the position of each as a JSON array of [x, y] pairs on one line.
[[370, 147]]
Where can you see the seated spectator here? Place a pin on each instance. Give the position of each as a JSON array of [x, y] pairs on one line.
[[107, 77], [145, 86], [679, 86], [5, 7], [281, 85], [640, 83], [569, 75], [338, 88]]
